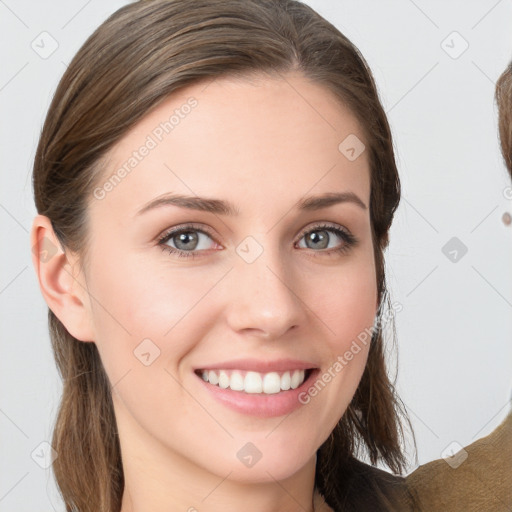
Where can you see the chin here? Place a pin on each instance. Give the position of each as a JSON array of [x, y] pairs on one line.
[[259, 462]]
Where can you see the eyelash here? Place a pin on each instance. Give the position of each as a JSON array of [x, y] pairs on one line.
[[350, 240]]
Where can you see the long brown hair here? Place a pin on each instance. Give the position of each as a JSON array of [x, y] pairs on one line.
[[131, 63]]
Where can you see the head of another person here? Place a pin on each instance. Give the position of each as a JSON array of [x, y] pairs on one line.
[[257, 107], [503, 95]]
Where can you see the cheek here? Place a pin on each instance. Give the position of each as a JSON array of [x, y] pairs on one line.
[[348, 313], [135, 302], [349, 304]]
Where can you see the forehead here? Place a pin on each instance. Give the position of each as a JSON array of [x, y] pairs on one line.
[[260, 140]]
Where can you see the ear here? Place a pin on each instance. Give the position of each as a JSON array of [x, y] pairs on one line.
[[64, 292]]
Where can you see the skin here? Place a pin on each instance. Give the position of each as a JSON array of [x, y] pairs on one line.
[[261, 144]]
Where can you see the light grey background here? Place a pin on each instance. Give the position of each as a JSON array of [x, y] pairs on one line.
[[454, 332]]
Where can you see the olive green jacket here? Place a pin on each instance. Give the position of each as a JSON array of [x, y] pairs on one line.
[[481, 483]]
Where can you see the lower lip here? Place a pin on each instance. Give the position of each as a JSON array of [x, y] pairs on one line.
[[260, 404]]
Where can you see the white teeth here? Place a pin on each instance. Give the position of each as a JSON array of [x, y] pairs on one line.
[[236, 382], [254, 382], [212, 377], [223, 380], [271, 383], [285, 381], [297, 379]]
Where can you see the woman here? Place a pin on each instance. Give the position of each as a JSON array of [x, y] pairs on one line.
[[245, 371]]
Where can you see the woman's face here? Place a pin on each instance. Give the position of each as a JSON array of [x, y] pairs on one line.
[[258, 281]]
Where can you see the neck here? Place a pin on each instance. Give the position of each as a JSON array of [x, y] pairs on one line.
[[161, 480]]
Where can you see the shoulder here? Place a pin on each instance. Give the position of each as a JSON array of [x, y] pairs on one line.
[[476, 478], [375, 489]]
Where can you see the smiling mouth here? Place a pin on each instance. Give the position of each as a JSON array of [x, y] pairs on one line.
[[255, 382]]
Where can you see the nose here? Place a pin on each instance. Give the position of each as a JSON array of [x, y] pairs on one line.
[[265, 299]]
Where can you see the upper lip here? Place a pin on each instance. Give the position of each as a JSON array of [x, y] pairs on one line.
[[257, 365]]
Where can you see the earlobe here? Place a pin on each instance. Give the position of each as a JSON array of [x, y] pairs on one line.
[[65, 293]]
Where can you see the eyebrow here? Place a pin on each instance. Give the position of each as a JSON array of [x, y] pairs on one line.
[[222, 207]]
